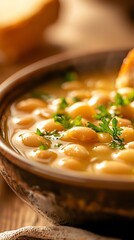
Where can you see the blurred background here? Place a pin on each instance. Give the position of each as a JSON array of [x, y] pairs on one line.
[[31, 32], [95, 25]]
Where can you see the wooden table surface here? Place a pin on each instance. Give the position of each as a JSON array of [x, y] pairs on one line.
[[91, 26]]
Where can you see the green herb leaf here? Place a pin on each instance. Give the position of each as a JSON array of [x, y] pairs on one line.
[[77, 121], [94, 127], [114, 131], [57, 145], [119, 144], [39, 133], [75, 99], [43, 147], [131, 96], [63, 104], [120, 100], [102, 112], [54, 133], [105, 126], [63, 119], [66, 121], [70, 76]]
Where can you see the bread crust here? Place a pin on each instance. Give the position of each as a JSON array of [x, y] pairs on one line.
[[22, 36]]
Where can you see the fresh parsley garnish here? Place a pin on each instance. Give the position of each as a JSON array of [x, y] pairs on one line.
[[63, 119], [63, 104], [48, 135], [57, 145], [75, 99], [117, 144], [102, 112], [114, 131], [43, 147], [94, 127], [120, 100], [103, 126], [70, 76], [39, 133], [77, 121], [131, 96], [66, 121], [54, 135]]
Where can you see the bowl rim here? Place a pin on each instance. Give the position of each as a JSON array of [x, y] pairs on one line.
[[47, 172]]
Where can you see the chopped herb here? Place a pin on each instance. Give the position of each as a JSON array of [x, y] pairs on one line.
[[43, 147], [114, 131], [57, 145], [66, 121], [131, 96], [102, 112], [117, 144], [105, 126], [52, 135], [75, 99], [63, 103], [77, 121], [49, 135], [94, 127], [39, 133], [70, 76], [63, 119], [120, 100], [41, 95], [54, 132]]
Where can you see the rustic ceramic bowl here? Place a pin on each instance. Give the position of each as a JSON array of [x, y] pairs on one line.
[[64, 197]]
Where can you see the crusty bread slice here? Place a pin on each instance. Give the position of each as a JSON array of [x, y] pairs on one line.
[[126, 74], [22, 23]]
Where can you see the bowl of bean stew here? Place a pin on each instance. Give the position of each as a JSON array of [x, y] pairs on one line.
[[67, 136]]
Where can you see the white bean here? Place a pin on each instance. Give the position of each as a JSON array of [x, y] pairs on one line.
[[30, 104], [126, 156], [31, 139], [100, 99], [130, 145], [26, 121], [127, 134], [112, 167], [50, 125], [69, 163], [72, 85], [43, 156], [82, 134], [81, 109], [128, 111], [76, 150]]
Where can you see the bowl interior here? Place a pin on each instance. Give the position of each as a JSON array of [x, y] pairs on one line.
[[45, 70]]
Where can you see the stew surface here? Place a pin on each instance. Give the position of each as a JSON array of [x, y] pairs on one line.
[[79, 123]]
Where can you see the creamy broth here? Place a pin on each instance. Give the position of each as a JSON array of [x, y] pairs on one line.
[[79, 123]]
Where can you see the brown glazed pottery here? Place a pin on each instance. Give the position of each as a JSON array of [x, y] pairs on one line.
[[63, 197]]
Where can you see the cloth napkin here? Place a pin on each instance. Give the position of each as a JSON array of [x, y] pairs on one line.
[[50, 233]]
